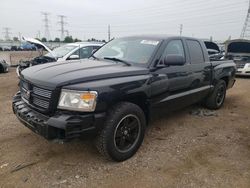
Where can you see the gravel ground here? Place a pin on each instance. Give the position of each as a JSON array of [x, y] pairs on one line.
[[189, 148]]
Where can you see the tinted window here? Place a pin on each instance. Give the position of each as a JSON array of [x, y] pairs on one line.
[[195, 50], [174, 47]]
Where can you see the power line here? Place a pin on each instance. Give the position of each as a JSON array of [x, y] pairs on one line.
[[46, 25], [62, 24], [245, 33], [225, 11], [6, 33]]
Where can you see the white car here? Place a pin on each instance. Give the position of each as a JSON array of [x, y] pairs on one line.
[[72, 51], [239, 51]]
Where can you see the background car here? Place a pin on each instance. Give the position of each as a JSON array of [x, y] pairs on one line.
[[3, 66], [213, 50], [72, 51], [239, 51]]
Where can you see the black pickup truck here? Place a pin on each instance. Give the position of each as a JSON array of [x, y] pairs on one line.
[[115, 92]]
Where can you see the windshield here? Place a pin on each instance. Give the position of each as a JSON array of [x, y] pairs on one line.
[[61, 51], [132, 50]]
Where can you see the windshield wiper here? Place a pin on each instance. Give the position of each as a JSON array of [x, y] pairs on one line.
[[117, 60]]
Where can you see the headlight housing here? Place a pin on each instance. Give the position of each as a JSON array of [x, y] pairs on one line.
[[84, 101]]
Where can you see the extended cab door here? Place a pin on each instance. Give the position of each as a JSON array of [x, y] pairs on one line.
[[200, 70], [171, 82]]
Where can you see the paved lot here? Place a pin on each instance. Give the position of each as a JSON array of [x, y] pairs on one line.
[[189, 148]]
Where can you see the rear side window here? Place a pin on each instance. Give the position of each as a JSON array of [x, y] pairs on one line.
[[196, 52]]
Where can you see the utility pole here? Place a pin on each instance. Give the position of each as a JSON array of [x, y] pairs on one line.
[[181, 29], [109, 33], [67, 33], [245, 33], [6, 33], [39, 34], [62, 23], [46, 25]]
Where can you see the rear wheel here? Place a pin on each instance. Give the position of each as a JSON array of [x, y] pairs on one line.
[[217, 97], [123, 132]]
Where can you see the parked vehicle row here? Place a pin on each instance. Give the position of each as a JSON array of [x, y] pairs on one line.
[[114, 94]]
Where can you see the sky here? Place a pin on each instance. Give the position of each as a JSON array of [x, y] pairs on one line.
[[90, 18]]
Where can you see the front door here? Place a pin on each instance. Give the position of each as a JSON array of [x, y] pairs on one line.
[[170, 83]]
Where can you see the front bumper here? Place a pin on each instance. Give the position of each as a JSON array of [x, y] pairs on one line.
[[60, 126], [243, 72]]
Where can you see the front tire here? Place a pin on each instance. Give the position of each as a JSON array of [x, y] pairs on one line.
[[216, 99], [123, 132]]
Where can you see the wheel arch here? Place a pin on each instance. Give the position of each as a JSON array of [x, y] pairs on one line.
[[140, 100]]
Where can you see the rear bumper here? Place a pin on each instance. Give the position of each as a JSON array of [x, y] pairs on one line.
[[60, 126]]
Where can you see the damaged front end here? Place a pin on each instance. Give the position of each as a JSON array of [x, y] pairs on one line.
[[239, 51], [38, 60]]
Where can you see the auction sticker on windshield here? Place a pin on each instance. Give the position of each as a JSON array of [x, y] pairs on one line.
[[150, 42]]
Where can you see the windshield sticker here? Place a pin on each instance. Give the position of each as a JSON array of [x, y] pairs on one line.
[[150, 42]]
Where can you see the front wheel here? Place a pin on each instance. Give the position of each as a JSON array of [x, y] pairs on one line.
[[216, 99], [123, 132]]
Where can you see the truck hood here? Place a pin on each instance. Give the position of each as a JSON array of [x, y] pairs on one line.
[[239, 47], [38, 44], [67, 73]]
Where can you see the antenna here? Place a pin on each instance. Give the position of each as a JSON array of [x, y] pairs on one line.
[[46, 25], [245, 33], [62, 23]]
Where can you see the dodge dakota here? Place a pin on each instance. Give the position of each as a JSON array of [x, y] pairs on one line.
[[113, 94]]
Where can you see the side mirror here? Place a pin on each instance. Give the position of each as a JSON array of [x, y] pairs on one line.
[[174, 60], [74, 57]]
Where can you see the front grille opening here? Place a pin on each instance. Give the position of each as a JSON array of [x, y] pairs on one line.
[[36, 96]]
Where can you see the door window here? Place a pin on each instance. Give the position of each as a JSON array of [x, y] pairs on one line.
[[84, 52]]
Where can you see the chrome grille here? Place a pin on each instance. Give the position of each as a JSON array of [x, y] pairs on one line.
[[41, 103], [42, 92], [35, 96]]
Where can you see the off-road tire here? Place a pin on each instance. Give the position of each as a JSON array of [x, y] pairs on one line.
[[211, 101], [105, 141]]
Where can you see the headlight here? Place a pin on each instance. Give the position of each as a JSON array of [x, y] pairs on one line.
[[248, 65], [84, 101]]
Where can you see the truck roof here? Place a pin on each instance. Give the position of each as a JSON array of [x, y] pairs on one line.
[[158, 36]]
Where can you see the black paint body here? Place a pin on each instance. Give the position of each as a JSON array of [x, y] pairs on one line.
[[150, 86]]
